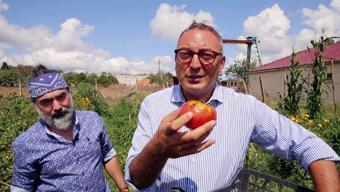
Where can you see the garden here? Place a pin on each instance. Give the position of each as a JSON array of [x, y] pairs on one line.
[[302, 106]]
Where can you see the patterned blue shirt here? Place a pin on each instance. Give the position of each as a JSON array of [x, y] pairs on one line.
[[44, 161], [241, 119]]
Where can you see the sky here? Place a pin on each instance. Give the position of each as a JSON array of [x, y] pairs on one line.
[[138, 37]]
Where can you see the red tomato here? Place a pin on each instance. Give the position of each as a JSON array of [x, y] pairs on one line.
[[202, 113]]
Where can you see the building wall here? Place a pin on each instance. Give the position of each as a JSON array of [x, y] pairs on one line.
[[273, 83], [130, 79]]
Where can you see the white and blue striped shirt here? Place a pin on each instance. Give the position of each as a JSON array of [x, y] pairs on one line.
[[241, 119]]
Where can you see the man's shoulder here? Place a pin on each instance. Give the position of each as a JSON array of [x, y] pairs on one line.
[[87, 114], [164, 93], [30, 135], [230, 95], [88, 119]]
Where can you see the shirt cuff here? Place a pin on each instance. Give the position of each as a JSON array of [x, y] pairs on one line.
[[17, 189], [319, 151], [112, 153], [152, 187]]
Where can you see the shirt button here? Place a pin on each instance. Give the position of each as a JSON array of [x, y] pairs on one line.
[[193, 159]]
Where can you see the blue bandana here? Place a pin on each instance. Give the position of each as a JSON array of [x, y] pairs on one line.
[[46, 83]]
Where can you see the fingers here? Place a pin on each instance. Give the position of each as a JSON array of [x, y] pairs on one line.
[[199, 134], [174, 125], [192, 149]]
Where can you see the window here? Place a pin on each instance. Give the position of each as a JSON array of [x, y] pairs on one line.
[[329, 77]]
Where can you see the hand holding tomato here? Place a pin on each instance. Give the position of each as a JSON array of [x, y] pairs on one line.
[[202, 113], [170, 142]]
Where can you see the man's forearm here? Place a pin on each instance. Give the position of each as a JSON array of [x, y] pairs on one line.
[[325, 176], [146, 166], [114, 170]]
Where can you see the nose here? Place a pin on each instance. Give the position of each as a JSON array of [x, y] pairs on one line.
[[195, 62], [56, 106]]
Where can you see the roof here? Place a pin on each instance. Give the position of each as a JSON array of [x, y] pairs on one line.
[[331, 52]]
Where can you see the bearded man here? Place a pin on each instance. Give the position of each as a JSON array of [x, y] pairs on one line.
[[66, 149]]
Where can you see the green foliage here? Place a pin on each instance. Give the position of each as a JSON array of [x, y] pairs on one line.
[[327, 127], [319, 70], [240, 70], [324, 126], [9, 76], [87, 98], [16, 115], [123, 122], [4, 65], [162, 79], [105, 79], [73, 78], [290, 104]]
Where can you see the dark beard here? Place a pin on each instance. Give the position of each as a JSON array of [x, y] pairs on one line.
[[61, 119]]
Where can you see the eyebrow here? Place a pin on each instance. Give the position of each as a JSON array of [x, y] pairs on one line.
[[50, 98]]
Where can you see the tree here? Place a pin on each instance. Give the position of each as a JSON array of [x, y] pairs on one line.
[[240, 70], [107, 79], [319, 70], [4, 66], [162, 79], [289, 104]]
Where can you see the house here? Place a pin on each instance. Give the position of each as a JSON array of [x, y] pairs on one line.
[[273, 75], [130, 79]]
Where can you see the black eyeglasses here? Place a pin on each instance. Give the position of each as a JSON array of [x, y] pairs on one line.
[[205, 56]]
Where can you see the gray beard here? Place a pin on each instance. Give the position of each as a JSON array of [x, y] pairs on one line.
[[61, 123]]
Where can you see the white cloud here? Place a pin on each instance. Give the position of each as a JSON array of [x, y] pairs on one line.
[[25, 39], [322, 20], [65, 50], [69, 37], [335, 4], [3, 6], [170, 21], [270, 27]]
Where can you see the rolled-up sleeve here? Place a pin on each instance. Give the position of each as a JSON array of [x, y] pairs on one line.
[[108, 151], [287, 139]]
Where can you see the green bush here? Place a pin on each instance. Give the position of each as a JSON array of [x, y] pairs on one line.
[[325, 126], [16, 115], [87, 98], [105, 79], [9, 78]]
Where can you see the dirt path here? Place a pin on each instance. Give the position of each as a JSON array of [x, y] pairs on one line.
[[7, 90], [113, 93]]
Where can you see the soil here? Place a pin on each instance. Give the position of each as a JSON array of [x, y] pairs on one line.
[[113, 93]]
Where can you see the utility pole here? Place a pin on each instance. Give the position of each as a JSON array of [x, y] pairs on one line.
[[159, 68], [159, 72]]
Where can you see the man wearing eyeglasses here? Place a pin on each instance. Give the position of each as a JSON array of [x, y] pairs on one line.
[[67, 149], [165, 155]]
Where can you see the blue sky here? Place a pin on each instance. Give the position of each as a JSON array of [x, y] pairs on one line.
[[132, 36]]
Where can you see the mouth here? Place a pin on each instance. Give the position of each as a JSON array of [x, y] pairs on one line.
[[194, 78], [60, 114]]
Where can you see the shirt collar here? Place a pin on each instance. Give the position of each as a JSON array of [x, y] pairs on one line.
[[76, 128], [178, 97]]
